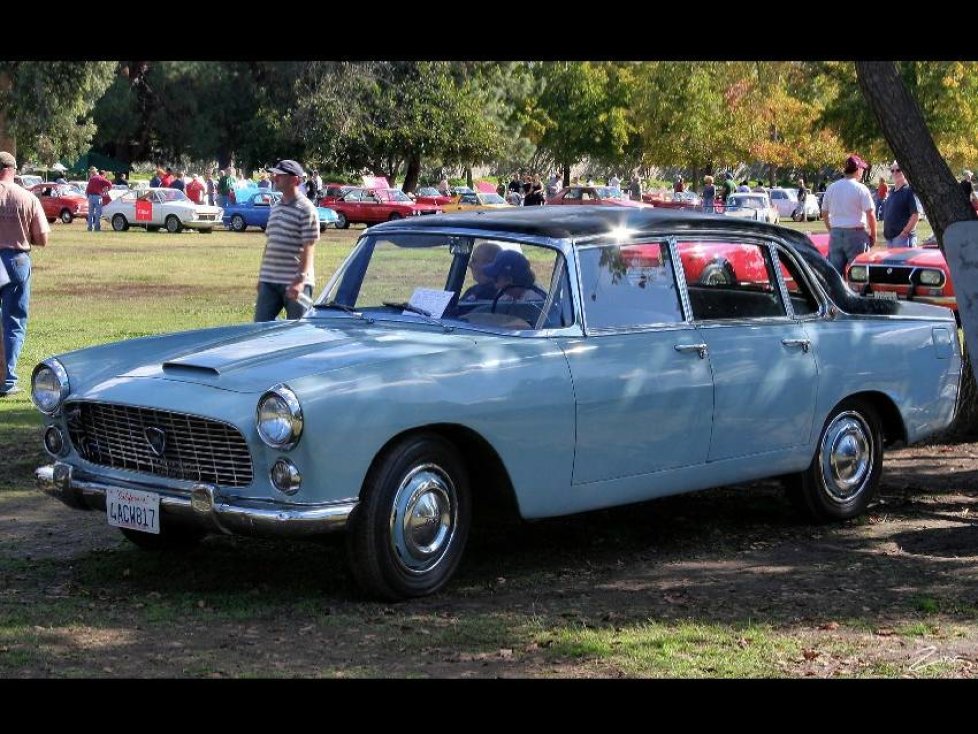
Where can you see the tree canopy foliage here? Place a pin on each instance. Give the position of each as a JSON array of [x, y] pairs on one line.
[[399, 118]]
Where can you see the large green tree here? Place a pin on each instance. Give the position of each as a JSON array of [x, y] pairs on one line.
[[45, 106]]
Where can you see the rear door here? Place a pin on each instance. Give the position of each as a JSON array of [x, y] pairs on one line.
[[764, 372]]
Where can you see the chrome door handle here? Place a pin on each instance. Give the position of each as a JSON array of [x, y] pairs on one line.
[[805, 344], [700, 349]]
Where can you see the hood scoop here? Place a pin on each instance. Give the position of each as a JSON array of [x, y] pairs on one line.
[[175, 368]]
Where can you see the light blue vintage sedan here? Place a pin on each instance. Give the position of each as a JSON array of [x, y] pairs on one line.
[[558, 359]]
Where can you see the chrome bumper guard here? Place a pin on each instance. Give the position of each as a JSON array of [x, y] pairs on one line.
[[204, 507]]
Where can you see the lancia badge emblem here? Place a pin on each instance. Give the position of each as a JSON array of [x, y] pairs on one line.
[[889, 271], [156, 438]]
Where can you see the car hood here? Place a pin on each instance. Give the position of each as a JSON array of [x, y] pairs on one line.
[[904, 257], [256, 360]]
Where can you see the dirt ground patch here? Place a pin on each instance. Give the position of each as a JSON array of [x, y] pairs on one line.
[[893, 594]]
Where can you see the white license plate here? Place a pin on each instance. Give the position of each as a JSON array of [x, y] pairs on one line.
[[884, 295], [130, 508]]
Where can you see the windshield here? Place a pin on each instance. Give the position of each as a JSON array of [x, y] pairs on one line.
[[492, 199], [752, 202], [461, 281], [428, 191], [396, 195]]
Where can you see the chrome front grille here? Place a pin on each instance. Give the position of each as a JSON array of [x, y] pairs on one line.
[[889, 274], [158, 442]]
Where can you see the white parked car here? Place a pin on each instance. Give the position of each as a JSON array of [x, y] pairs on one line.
[[752, 205], [155, 208], [27, 180], [786, 202]]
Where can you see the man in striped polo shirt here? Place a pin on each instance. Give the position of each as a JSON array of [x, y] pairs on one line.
[[287, 263]]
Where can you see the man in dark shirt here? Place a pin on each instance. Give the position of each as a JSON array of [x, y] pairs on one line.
[[901, 213]]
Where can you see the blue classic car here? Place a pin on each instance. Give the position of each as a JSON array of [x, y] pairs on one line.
[[551, 360], [253, 211]]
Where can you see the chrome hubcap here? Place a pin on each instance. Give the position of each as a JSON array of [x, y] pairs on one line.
[[423, 518], [846, 457]]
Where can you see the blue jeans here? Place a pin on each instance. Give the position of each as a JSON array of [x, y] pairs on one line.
[[15, 298], [909, 241], [222, 201], [271, 300], [94, 212], [845, 244]]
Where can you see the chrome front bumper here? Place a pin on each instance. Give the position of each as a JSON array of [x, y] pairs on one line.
[[204, 507]]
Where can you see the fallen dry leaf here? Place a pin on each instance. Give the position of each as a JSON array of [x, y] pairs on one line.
[[884, 632], [810, 654], [829, 626]]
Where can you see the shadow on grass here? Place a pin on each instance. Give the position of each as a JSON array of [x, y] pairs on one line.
[[21, 448]]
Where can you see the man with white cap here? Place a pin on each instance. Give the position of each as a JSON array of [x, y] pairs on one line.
[[848, 212], [287, 264], [22, 226]]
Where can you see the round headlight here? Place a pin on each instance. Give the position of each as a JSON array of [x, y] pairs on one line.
[[931, 277], [286, 477], [279, 418], [857, 273], [49, 386]]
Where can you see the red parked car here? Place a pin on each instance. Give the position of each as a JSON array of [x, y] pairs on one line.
[[430, 195], [906, 274], [333, 192], [592, 196], [61, 201], [370, 206]]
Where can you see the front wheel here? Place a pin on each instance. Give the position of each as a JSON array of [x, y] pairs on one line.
[[394, 217], [66, 216], [119, 223], [845, 472], [406, 536], [238, 223], [173, 224], [341, 221]]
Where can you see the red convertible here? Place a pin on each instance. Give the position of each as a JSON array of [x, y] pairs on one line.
[[904, 273], [370, 206], [61, 201], [592, 196]]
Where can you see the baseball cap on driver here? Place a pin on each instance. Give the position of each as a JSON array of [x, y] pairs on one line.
[[854, 162], [289, 168]]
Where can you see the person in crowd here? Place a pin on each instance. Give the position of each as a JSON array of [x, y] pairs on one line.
[[614, 182], [902, 212], [177, 182], [803, 193], [195, 189], [553, 185], [167, 181], [849, 215], [728, 186], [97, 186], [287, 265], [211, 186], [679, 185], [120, 179], [23, 226], [225, 185], [157, 180], [513, 277], [635, 188], [535, 197], [879, 196], [709, 193], [443, 188]]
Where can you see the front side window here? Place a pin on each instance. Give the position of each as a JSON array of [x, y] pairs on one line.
[[730, 280], [628, 286], [465, 280]]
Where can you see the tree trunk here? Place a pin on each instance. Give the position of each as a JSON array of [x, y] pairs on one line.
[[7, 140], [965, 426], [412, 173], [468, 176], [944, 201], [566, 169]]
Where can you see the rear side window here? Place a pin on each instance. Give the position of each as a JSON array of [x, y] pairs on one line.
[[730, 280], [629, 286]]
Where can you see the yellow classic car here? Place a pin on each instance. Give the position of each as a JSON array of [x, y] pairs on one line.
[[476, 200]]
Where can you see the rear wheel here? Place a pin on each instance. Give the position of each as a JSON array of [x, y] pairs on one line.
[[845, 472], [407, 534], [173, 224], [66, 216], [394, 217], [119, 223], [341, 221], [717, 272], [238, 223]]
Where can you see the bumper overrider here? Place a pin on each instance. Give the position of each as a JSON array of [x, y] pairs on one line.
[[204, 507]]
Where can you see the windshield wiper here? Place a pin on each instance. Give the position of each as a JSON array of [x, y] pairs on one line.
[[410, 307], [342, 307]]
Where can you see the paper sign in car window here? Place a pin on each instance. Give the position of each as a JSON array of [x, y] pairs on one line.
[[433, 301]]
